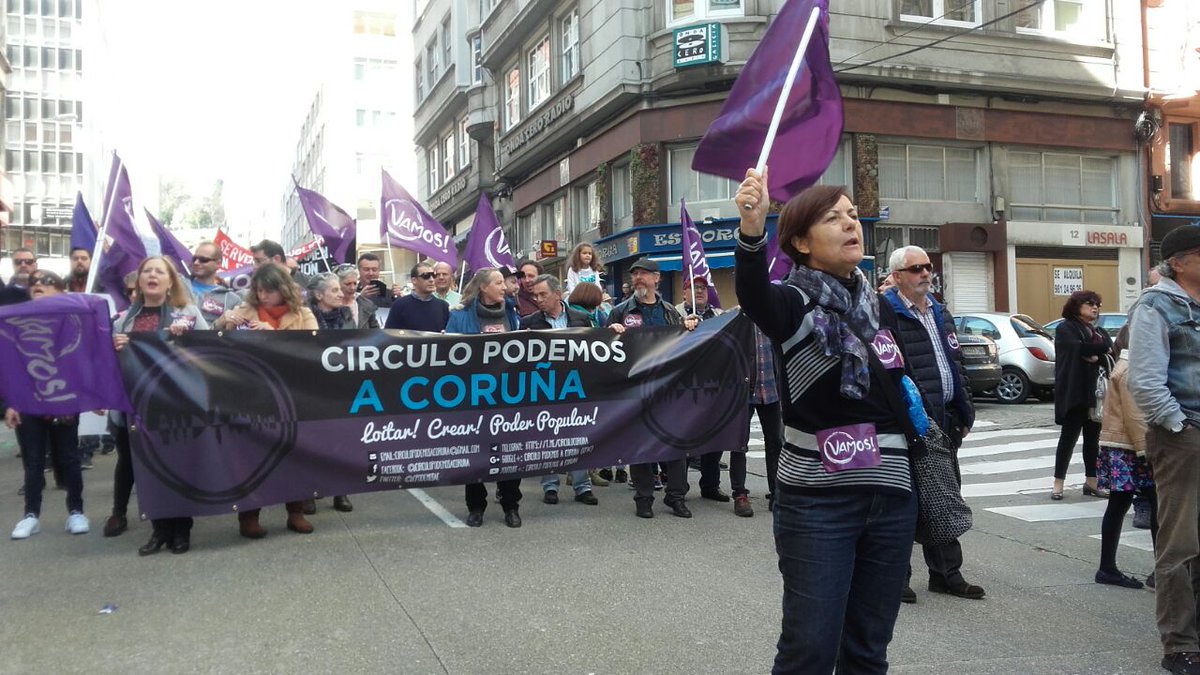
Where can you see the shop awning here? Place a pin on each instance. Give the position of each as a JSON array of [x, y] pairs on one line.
[[674, 263]]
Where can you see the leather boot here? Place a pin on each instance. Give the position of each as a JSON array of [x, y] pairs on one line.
[[296, 522], [248, 525]]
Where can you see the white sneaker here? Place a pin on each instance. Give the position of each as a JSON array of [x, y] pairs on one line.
[[77, 523], [28, 526]]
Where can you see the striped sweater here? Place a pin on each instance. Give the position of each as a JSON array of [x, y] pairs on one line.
[[809, 389]]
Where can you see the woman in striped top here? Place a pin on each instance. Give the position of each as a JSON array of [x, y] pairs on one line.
[[845, 510]]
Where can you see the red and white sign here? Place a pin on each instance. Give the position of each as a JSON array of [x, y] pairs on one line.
[[233, 254]]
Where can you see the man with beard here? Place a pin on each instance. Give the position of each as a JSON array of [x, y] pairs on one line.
[[81, 264], [370, 267], [527, 271], [647, 308], [213, 298], [24, 263]]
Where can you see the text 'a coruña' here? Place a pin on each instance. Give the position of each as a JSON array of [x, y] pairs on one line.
[[543, 384]]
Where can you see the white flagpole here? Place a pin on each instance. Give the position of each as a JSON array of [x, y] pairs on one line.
[[98, 249], [793, 71]]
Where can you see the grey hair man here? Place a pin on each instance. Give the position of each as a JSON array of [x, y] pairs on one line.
[[1164, 366]]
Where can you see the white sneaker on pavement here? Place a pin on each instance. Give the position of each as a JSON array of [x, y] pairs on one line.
[[77, 523], [28, 526]]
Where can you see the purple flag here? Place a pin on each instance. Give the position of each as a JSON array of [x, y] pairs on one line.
[[695, 263], [486, 246], [331, 223], [83, 228], [405, 223], [811, 127], [172, 248], [58, 357], [126, 251], [778, 263]]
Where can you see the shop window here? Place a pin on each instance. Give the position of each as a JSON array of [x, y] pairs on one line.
[[927, 173], [679, 11], [622, 198], [1061, 187]]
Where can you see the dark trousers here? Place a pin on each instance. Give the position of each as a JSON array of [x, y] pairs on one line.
[[642, 477], [507, 491], [38, 436], [843, 558], [1176, 465], [123, 473], [710, 472], [1077, 420], [770, 419], [172, 529]]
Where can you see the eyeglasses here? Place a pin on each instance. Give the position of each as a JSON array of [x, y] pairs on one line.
[[24, 261], [917, 269], [203, 260], [427, 276], [1093, 304], [45, 281]]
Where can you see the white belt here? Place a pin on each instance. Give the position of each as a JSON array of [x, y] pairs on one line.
[[808, 441]]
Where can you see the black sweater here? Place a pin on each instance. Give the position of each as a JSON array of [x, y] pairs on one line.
[[413, 313], [809, 388]]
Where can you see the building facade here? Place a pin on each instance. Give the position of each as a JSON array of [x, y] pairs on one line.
[[43, 113], [1008, 152]]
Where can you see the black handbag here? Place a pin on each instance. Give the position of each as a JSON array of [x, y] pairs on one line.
[[942, 514]]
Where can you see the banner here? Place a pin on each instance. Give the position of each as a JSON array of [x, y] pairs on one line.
[[171, 248], [695, 263], [83, 229], [403, 222], [486, 245], [247, 419], [779, 265], [233, 254], [328, 221], [237, 279], [126, 251], [57, 356]]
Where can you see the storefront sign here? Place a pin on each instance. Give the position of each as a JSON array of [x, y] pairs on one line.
[[537, 125], [1067, 280], [697, 45], [1096, 236], [448, 193], [547, 248], [721, 233]]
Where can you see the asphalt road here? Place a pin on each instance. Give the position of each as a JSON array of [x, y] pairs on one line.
[[396, 587]]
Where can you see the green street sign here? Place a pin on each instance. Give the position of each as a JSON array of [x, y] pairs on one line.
[[697, 45]]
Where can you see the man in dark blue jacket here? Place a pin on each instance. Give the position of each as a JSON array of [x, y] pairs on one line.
[[924, 330]]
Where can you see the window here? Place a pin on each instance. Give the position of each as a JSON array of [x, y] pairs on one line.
[[695, 10], [1181, 150], [622, 197], [464, 144], [448, 157], [1076, 18], [927, 173], [972, 325], [1062, 187], [587, 209], [953, 12], [477, 59], [554, 223], [692, 185], [431, 62], [360, 118], [512, 98], [539, 73], [431, 159], [570, 45], [447, 45], [420, 80]]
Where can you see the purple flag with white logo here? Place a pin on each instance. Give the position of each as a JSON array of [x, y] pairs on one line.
[[57, 356], [330, 222], [486, 245], [171, 248], [125, 251], [811, 127], [695, 263], [405, 223], [83, 228], [779, 265]]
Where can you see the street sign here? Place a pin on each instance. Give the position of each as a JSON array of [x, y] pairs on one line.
[[697, 45]]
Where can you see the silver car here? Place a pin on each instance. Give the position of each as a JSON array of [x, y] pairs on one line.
[[1026, 353]]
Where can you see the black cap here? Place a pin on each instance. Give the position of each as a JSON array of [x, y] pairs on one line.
[[506, 271], [644, 264], [1180, 239]]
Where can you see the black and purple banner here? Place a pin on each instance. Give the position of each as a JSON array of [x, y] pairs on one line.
[[246, 419]]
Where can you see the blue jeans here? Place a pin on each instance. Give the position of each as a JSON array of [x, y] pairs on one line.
[[580, 480], [844, 559]]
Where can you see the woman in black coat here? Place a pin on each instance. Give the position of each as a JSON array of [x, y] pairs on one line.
[[1080, 349]]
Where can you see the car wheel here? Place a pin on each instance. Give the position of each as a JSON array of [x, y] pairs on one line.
[[1013, 387]]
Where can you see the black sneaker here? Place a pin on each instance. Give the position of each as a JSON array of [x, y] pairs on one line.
[[644, 508], [1116, 578], [587, 498], [678, 508], [606, 474], [621, 476], [475, 519], [716, 495], [908, 596], [551, 497], [1182, 663]]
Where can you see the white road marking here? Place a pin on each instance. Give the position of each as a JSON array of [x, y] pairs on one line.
[[1139, 539], [1014, 487], [1056, 511], [1006, 448], [988, 468], [1007, 433], [435, 507]]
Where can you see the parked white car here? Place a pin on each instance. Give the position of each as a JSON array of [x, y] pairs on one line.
[[1026, 353]]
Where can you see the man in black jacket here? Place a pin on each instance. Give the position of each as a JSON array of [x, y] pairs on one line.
[[924, 330]]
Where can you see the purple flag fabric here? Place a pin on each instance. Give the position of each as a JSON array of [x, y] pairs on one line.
[[83, 228], [58, 357], [405, 223], [486, 246], [331, 223], [125, 251], [695, 263], [778, 263], [811, 127], [171, 247]]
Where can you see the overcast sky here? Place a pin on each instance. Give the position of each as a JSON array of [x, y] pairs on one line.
[[206, 90]]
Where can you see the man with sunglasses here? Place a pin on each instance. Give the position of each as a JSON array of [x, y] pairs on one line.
[[421, 309], [24, 263], [212, 297], [924, 331]]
